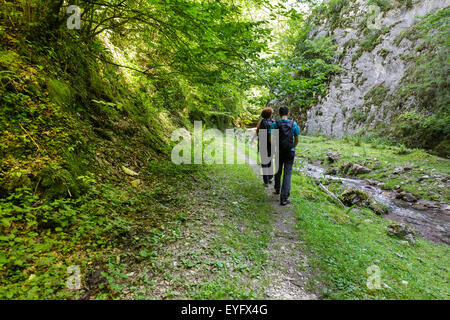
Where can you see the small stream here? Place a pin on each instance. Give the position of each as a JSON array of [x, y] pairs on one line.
[[432, 223]]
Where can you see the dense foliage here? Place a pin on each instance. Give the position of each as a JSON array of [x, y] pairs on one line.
[[427, 81], [192, 52], [79, 105], [300, 70]]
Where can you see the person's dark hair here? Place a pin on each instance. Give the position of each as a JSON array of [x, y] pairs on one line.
[[283, 111], [267, 113]]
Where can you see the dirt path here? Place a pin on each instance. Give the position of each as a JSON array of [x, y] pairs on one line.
[[285, 279], [223, 250]]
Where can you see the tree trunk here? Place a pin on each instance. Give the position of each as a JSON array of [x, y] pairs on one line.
[[52, 16]]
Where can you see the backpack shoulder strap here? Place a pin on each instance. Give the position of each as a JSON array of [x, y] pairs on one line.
[[290, 123]]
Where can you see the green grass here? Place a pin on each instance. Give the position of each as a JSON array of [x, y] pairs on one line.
[[342, 245], [218, 251], [239, 244], [121, 229], [230, 215], [41, 239]]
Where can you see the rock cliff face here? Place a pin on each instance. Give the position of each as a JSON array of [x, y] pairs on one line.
[[372, 55]]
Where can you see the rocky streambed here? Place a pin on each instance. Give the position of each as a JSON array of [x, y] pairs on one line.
[[431, 220]]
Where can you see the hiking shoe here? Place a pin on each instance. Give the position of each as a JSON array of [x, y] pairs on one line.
[[285, 202], [277, 192], [266, 185]]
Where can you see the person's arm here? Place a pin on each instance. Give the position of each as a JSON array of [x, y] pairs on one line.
[[296, 134], [257, 127], [256, 132]]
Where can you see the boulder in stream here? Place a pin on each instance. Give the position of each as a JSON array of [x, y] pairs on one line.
[[332, 171], [406, 196], [317, 163], [427, 204], [353, 196], [358, 197], [383, 186], [378, 208], [345, 167], [372, 182], [333, 156], [402, 231], [352, 169], [359, 169]]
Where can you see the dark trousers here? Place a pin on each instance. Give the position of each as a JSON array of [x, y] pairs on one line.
[[266, 163], [284, 166], [267, 167]]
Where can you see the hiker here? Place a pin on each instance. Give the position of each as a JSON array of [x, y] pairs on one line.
[[288, 132], [265, 154]]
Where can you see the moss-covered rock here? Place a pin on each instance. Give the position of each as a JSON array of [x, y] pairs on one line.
[[345, 168], [348, 168], [378, 207], [354, 196], [402, 231], [331, 171]]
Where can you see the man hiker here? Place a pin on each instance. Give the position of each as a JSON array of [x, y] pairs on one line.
[[264, 146], [288, 133]]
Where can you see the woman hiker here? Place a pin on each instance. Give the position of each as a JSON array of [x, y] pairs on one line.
[[264, 146]]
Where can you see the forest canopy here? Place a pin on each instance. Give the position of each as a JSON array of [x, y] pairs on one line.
[[208, 54]]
